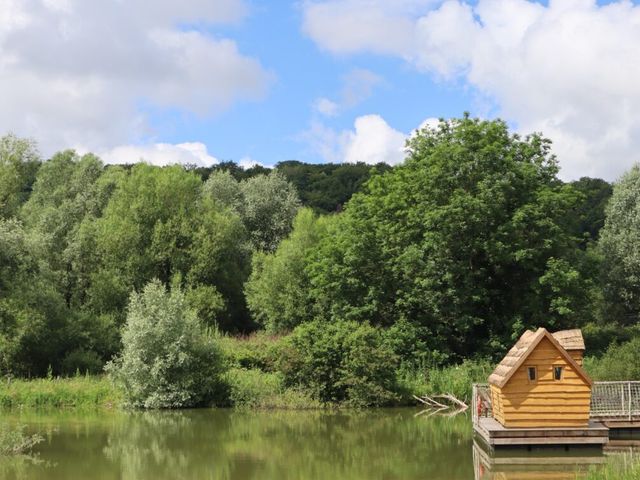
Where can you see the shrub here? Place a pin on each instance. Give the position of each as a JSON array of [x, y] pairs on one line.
[[342, 361], [167, 360], [620, 362]]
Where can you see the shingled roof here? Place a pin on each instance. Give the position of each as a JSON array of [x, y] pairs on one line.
[[570, 339], [527, 343]]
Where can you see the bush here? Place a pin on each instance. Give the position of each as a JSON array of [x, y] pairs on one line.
[[620, 362], [167, 360], [341, 361]]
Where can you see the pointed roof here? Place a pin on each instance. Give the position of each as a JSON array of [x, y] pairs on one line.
[[527, 344]]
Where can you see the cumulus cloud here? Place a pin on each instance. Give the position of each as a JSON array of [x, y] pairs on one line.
[[83, 74], [161, 154], [569, 69], [371, 141]]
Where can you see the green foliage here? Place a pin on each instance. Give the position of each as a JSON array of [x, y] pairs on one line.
[[167, 361], [340, 362], [278, 290], [326, 188], [19, 162], [620, 248], [598, 336], [80, 392], [256, 351], [467, 238], [254, 388], [270, 204], [589, 216], [14, 441], [620, 362]]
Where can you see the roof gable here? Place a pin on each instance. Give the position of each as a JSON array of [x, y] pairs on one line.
[[521, 351]]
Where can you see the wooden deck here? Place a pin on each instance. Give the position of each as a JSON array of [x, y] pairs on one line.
[[494, 434]]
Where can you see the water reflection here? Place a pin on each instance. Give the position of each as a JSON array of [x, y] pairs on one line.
[[224, 444]]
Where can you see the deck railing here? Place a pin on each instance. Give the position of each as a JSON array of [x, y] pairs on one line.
[[609, 400], [615, 400], [481, 402]]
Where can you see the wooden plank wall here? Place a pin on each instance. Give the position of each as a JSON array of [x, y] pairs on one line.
[[545, 402]]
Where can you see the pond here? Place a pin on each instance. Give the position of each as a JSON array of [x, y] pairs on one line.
[[230, 444]]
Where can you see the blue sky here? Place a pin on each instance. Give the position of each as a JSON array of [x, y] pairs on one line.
[[272, 129], [201, 81]]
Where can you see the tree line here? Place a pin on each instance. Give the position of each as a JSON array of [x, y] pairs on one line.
[[449, 255]]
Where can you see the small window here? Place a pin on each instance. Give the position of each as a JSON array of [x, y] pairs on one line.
[[557, 373], [533, 374]]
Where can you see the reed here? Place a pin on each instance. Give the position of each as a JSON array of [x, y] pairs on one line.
[[88, 392]]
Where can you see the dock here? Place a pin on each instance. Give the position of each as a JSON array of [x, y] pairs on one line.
[[615, 409], [494, 434]]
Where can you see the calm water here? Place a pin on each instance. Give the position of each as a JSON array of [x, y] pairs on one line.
[[226, 444]]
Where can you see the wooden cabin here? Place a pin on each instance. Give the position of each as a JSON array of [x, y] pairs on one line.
[[541, 382]]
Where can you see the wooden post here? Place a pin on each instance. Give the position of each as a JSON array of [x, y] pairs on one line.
[[629, 395]]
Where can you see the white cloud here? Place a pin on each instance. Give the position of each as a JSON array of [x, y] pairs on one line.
[[349, 26], [326, 107], [248, 162], [161, 154], [570, 69], [374, 141], [82, 74], [371, 141], [358, 85]]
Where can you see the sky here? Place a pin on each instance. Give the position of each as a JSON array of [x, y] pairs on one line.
[[203, 81]]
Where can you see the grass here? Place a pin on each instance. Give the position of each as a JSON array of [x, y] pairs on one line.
[[619, 467], [254, 388], [76, 392], [456, 379], [13, 441]]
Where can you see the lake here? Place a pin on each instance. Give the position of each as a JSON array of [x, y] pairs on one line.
[[231, 444]]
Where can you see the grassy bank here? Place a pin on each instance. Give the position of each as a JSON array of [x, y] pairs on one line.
[[253, 380], [75, 392]]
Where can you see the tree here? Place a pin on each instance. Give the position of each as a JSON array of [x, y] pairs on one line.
[[19, 162], [619, 246], [467, 238], [589, 216], [270, 204], [224, 190], [33, 316], [327, 187], [278, 290], [167, 360]]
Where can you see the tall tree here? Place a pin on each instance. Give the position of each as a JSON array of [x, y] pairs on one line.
[[466, 238], [278, 290]]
